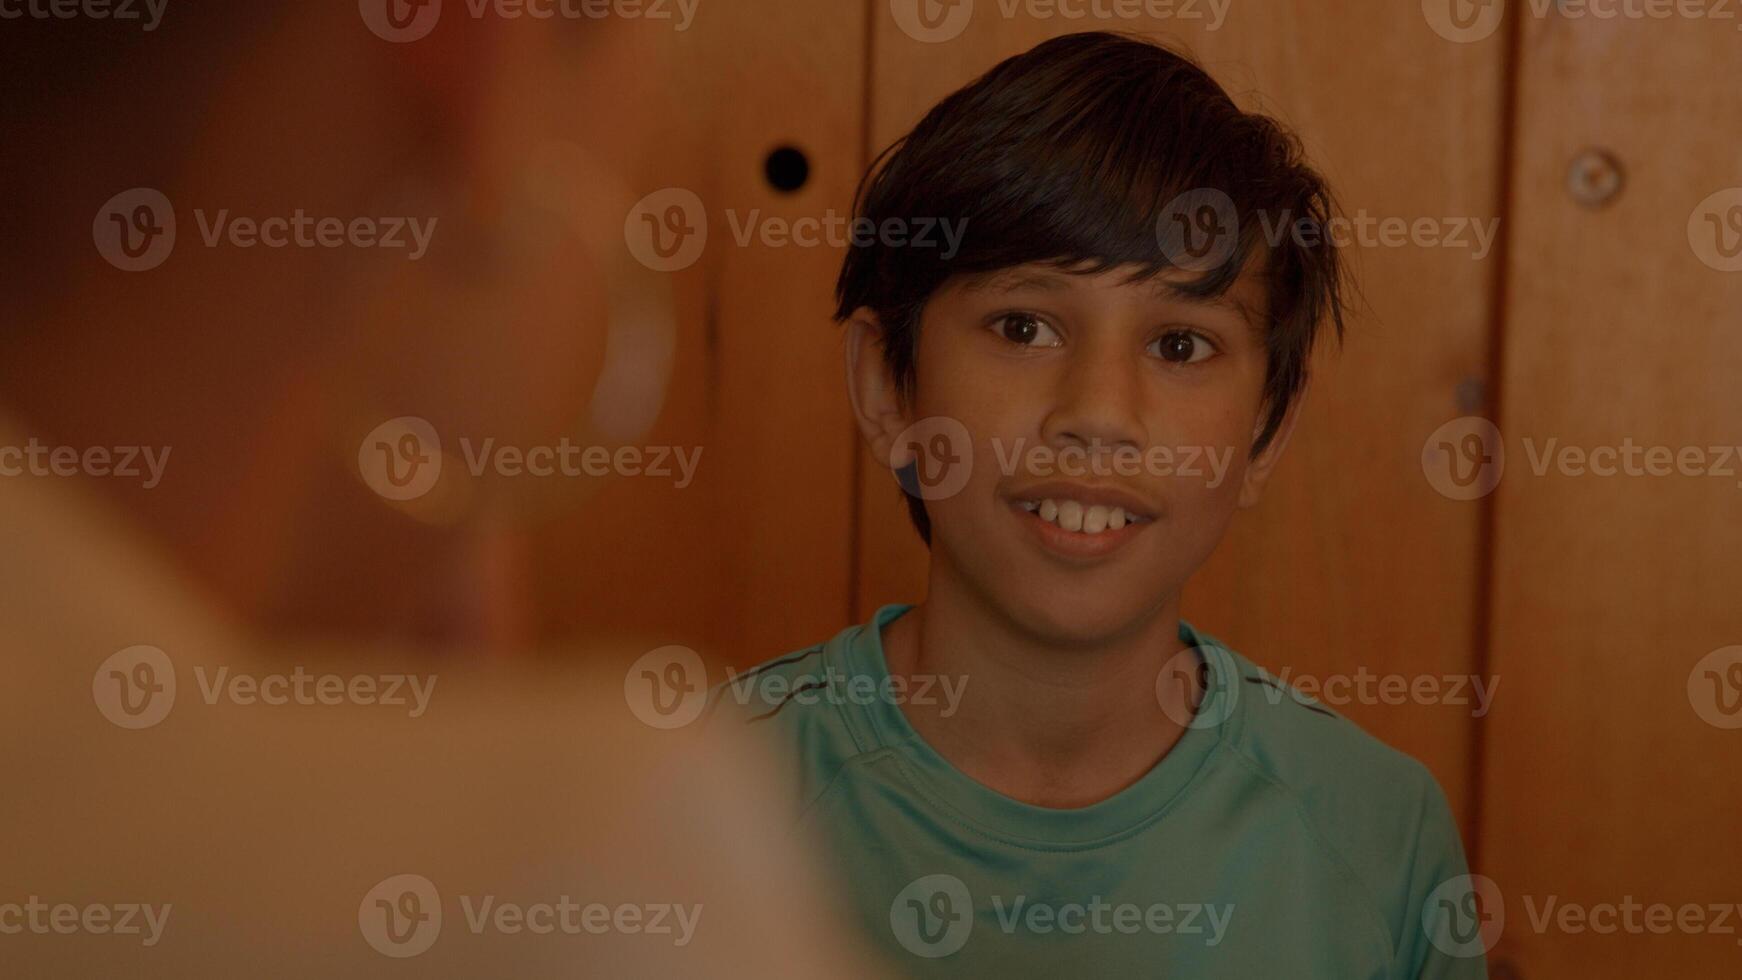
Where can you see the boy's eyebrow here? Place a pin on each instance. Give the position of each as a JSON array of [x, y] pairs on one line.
[[1010, 280]]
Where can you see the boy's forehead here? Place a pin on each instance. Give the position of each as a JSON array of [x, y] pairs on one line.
[[1244, 298]]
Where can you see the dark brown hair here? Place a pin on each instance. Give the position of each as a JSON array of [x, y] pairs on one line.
[[1073, 153]]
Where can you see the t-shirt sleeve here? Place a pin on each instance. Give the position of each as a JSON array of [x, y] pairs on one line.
[[1448, 929]]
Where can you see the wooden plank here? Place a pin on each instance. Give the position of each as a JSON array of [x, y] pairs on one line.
[[1606, 780]]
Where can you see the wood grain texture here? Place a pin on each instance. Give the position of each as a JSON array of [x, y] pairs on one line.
[[1604, 782]]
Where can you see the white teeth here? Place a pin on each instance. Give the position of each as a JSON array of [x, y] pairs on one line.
[[1095, 519], [1074, 516], [1071, 515]]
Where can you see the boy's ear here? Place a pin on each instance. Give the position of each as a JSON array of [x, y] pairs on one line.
[[876, 401], [1258, 470]]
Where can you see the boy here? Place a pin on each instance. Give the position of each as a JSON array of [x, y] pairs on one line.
[[1041, 769]]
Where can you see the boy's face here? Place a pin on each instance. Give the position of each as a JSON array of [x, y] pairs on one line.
[[1090, 402]]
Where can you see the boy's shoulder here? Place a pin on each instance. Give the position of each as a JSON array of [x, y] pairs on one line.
[[1378, 811], [1340, 773], [793, 701]]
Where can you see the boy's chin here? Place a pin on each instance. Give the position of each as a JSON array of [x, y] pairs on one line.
[[1074, 619]]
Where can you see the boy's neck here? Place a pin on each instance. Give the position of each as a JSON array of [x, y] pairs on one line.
[[1050, 726]]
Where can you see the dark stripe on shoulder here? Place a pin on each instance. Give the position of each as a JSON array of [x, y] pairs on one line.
[[791, 658], [1267, 682], [813, 685], [718, 696]]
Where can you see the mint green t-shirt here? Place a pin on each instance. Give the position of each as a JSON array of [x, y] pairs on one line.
[[1275, 840]]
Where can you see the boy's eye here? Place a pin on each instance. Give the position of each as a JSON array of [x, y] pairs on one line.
[[1184, 347], [1027, 330]]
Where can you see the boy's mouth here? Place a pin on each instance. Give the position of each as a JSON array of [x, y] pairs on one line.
[[1078, 517], [1080, 521]]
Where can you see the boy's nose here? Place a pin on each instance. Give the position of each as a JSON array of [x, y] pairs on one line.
[[1098, 403]]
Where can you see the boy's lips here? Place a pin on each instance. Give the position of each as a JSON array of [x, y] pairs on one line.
[[1076, 520], [1087, 495]]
